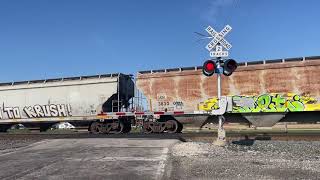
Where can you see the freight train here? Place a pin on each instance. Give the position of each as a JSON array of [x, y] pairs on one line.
[[258, 92]]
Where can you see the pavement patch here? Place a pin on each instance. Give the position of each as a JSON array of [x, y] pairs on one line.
[[88, 159]]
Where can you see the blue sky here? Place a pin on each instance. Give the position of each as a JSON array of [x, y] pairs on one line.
[[57, 38]]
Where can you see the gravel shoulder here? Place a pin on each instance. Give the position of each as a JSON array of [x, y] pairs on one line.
[[11, 144], [260, 160]]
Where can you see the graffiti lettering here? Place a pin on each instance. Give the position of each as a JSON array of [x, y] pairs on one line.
[[51, 110], [273, 102], [267, 103], [36, 111], [12, 112], [29, 111], [210, 104]]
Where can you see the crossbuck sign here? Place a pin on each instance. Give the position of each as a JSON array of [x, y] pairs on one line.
[[218, 38]]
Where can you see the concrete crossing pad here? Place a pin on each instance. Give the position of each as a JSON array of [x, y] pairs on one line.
[[92, 158]]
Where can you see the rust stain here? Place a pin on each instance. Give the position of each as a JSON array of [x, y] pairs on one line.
[[247, 82], [164, 86], [309, 81], [189, 88], [278, 80], [210, 86]]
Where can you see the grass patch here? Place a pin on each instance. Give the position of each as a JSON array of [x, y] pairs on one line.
[[18, 131]]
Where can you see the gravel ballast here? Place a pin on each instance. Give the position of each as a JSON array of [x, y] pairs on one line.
[[246, 160]]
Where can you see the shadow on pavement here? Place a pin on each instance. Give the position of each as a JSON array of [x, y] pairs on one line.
[[244, 142], [249, 142]]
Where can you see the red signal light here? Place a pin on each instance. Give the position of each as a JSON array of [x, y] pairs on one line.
[[209, 67]]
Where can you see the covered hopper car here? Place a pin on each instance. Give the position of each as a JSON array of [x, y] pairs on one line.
[[259, 92], [73, 99]]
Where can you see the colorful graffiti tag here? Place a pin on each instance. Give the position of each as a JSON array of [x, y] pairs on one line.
[[210, 104], [274, 102]]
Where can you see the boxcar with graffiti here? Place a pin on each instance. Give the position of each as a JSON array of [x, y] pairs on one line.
[[261, 92]]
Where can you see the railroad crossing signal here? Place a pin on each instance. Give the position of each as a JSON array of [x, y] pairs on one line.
[[218, 42], [218, 38], [219, 66], [227, 68]]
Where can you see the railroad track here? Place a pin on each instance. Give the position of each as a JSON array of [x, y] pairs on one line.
[[185, 136], [11, 141]]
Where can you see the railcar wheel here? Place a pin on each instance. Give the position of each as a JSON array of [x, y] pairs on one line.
[[120, 128], [106, 128], [147, 128], [127, 127], [96, 128], [172, 126], [180, 127]]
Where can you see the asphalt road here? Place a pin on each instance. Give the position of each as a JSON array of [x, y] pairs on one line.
[[89, 158]]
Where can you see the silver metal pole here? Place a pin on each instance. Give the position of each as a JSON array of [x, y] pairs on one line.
[[221, 133], [219, 80], [219, 94]]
